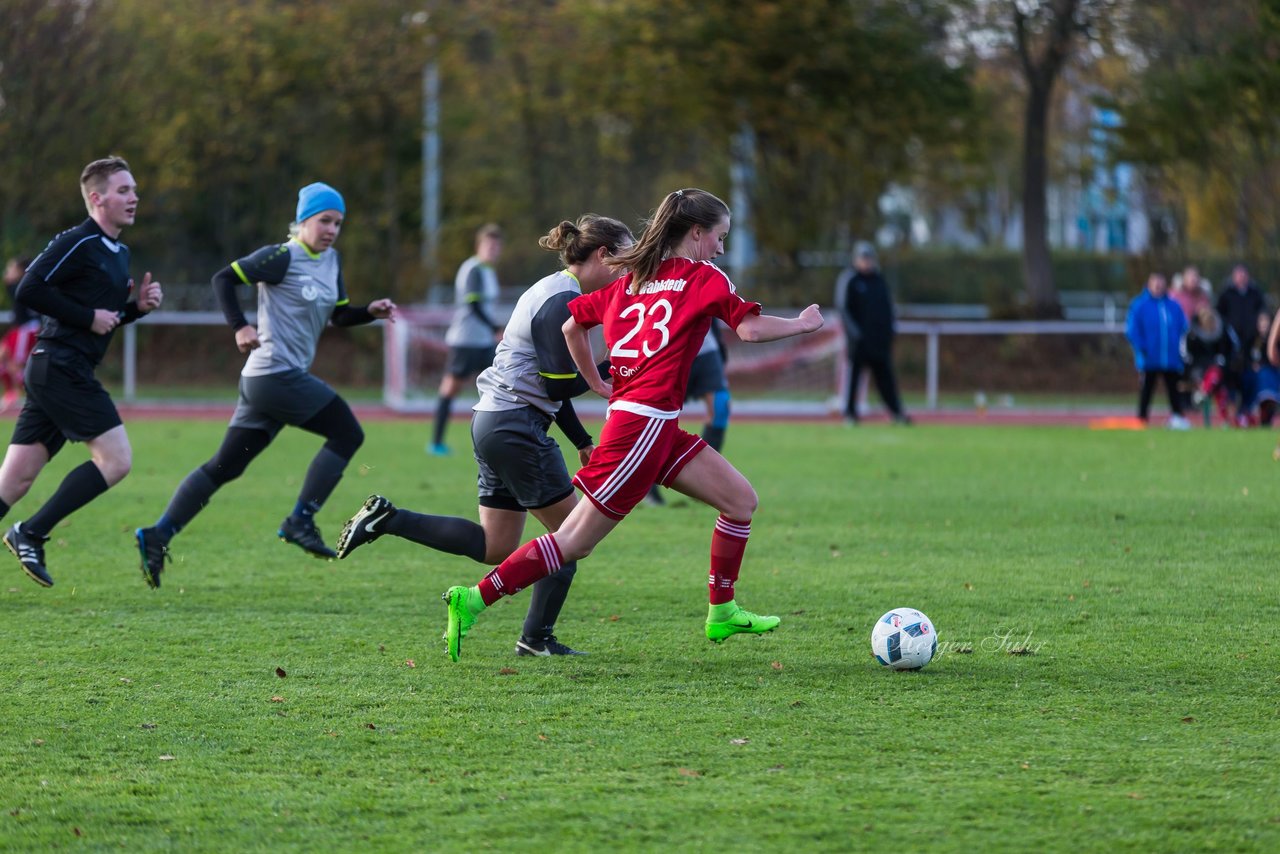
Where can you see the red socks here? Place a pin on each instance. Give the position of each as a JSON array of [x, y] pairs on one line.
[[530, 563], [728, 544]]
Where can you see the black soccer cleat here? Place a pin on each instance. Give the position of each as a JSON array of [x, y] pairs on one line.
[[154, 554], [29, 551], [544, 647], [369, 523], [304, 534]]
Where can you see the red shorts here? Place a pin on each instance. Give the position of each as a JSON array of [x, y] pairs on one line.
[[18, 341], [634, 453]]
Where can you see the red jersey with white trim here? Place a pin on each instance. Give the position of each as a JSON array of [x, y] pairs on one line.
[[654, 336]]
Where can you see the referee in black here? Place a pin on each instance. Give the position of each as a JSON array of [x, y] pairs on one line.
[[81, 284]]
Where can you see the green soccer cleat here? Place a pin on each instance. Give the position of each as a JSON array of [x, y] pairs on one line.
[[461, 618], [738, 622]]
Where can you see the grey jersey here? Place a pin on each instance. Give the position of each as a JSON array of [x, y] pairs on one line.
[[709, 344], [476, 282], [532, 347], [297, 292]]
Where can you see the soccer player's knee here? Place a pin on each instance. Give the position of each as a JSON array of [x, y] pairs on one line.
[[357, 439], [348, 443], [115, 469], [743, 505], [223, 471]]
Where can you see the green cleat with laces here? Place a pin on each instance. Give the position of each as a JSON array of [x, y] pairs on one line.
[[461, 618], [738, 622]]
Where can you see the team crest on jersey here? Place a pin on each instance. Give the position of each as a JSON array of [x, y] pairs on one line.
[[310, 292]]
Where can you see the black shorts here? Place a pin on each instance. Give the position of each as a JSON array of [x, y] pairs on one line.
[[521, 467], [64, 401], [271, 401], [469, 361], [706, 376]]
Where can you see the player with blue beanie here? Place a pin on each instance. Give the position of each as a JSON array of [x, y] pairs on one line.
[[317, 197], [300, 291]]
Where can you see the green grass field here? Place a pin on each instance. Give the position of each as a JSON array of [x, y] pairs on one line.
[[1106, 603]]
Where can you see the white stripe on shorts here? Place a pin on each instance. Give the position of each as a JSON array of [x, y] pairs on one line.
[[631, 461]]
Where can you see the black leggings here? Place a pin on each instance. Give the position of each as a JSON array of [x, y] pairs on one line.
[[1148, 389], [335, 422]]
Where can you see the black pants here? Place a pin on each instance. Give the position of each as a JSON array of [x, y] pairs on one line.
[[881, 371], [1149, 386]]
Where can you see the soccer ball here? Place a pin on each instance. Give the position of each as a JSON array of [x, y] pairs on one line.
[[904, 639]]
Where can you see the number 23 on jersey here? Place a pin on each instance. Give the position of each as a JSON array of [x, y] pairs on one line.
[[655, 317]]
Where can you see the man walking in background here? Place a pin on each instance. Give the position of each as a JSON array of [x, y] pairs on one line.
[[866, 310]]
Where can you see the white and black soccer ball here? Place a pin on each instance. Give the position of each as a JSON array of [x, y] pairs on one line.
[[904, 639]]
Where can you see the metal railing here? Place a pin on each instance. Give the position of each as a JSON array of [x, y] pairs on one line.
[[932, 331]]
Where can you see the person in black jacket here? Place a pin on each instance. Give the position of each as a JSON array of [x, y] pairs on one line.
[[81, 284], [866, 309], [1240, 303]]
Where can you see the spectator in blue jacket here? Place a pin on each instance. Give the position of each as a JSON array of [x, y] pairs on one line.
[[1155, 327]]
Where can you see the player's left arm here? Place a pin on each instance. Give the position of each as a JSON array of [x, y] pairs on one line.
[[346, 314], [758, 328], [150, 295], [745, 317]]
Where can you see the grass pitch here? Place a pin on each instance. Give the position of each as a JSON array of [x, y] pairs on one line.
[[1106, 605]]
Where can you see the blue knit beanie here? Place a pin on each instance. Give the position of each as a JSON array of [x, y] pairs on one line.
[[317, 197]]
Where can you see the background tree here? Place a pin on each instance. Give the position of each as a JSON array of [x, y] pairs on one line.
[[51, 54], [1202, 114]]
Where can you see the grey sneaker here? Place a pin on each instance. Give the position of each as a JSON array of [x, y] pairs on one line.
[[369, 523]]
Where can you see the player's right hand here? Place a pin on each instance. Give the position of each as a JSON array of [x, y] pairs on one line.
[[104, 321], [247, 339]]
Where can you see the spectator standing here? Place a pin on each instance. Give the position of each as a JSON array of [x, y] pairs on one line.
[[1212, 355], [21, 335], [473, 335], [1260, 390], [1240, 303], [1190, 291], [1155, 326], [866, 310]]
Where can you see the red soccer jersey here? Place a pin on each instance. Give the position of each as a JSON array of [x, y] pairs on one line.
[[654, 336]]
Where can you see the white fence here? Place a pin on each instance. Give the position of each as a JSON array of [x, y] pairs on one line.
[[932, 331]]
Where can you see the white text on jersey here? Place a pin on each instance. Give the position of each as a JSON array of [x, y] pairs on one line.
[[663, 285]]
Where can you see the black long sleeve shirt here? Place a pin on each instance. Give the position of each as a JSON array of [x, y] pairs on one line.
[[81, 270]]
